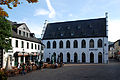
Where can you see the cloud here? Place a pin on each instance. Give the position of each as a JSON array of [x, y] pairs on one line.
[[52, 12], [113, 30], [41, 12], [70, 15]]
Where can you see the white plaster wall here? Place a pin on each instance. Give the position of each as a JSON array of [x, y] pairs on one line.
[[78, 50], [19, 49]]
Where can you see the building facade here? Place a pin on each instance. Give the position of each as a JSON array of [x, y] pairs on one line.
[[82, 41], [111, 52], [25, 46], [116, 51]]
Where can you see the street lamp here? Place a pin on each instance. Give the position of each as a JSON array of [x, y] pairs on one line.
[[23, 55]]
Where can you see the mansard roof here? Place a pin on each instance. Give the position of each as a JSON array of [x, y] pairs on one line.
[[31, 38], [76, 29]]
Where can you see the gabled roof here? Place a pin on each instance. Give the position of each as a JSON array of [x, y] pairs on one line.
[[31, 38], [20, 24], [76, 29]]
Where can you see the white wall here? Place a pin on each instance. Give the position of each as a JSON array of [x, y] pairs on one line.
[[78, 50], [19, 49]]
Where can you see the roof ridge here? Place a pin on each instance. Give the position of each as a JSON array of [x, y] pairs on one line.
[[77, 20]]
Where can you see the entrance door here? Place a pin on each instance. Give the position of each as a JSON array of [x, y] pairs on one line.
[[16, 60], [68, 57], [61, 57], [91, 58], [83, 58], [54, 54], [99, 57], [75, 57]]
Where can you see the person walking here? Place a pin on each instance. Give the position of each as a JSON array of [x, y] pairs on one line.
[[40, 65], [23, 68]]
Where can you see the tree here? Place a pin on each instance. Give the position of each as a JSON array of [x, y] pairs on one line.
[[5, 33], [10, 4]]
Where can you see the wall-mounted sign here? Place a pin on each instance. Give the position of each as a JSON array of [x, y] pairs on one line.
[[93, 49]]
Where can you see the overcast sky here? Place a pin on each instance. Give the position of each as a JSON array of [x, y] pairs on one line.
[[34, 15]]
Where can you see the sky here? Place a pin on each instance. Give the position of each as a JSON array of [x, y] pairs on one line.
[[34, 15]]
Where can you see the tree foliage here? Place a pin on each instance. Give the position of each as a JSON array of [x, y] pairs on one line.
[[5, 33], [10, 4]]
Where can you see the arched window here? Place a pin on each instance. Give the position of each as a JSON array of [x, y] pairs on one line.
[[99, 43], [54, 44], [61, 44], [48, 44], [75, 44], [68, 44], [83, 44], [91, 43]]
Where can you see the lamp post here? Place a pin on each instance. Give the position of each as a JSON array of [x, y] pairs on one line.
[[23, 56]]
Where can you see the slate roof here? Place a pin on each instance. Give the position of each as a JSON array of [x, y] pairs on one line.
[[76, 29], [15, 35]]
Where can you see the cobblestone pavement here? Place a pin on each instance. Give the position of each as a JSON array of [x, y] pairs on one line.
[[109, 71]]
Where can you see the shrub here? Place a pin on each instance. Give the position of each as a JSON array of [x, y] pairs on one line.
[[3, 76]]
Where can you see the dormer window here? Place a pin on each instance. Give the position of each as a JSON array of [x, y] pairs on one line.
[[68, 27], [59, 28], [61, 34], [90, 26], [79, 27], [72, 34]]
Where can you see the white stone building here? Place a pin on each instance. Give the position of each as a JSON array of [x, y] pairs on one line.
[[111, 51], [25, 46], [81, 41]]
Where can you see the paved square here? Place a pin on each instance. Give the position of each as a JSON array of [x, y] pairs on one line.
[[109, 71]]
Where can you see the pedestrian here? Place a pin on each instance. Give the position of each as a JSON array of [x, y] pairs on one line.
[[30, 67], [40, 64], [23, 68], [56, 65]]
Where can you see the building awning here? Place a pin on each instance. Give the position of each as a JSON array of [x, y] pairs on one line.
[[25, 54], [20, 54]]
